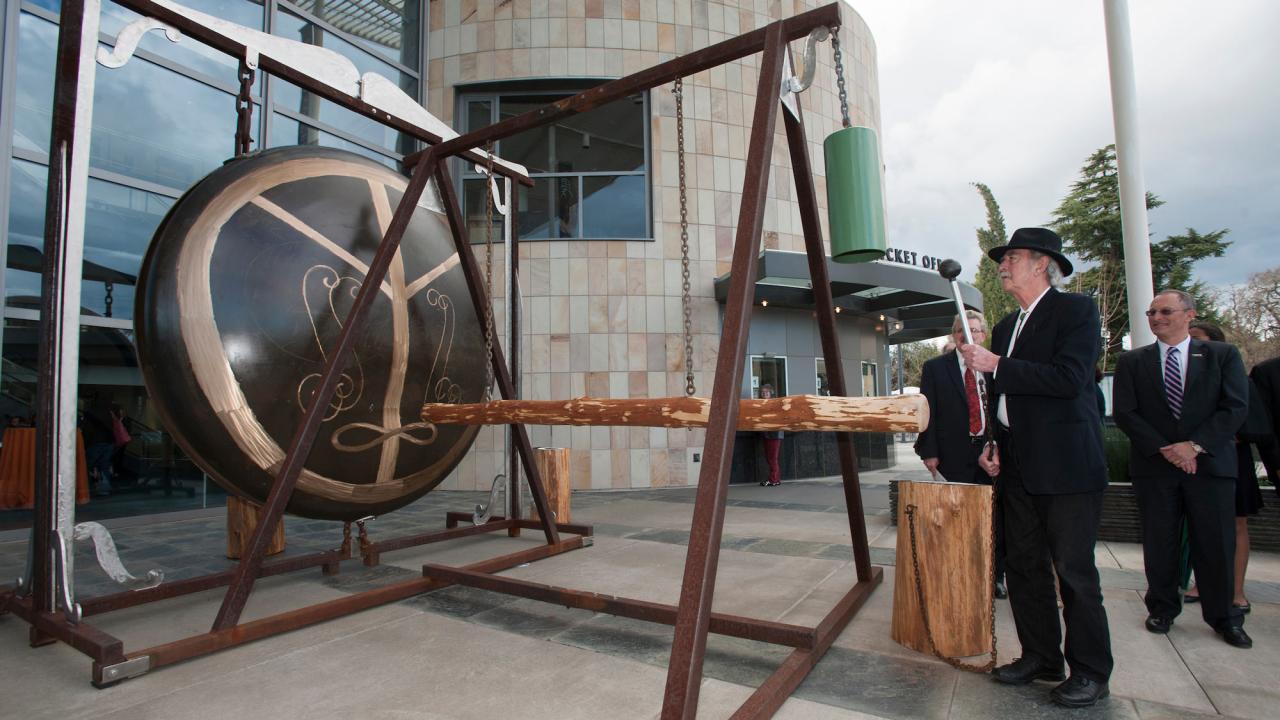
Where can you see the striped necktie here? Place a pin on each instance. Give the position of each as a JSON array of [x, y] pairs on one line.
[[1173, 382]]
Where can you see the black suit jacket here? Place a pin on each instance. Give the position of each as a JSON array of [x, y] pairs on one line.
[[947, 436], [1215, 399], [1048, 386], [1266, 379]]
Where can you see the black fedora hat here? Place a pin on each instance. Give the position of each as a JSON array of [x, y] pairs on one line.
[[1039, 239]]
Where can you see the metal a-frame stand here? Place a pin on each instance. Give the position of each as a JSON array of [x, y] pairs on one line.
[[691, 616]]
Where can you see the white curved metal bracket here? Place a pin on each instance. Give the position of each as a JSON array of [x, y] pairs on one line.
[[792, 85], [484, 512], [109, 559], [127, 41]]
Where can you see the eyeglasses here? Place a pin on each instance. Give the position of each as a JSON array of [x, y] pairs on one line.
[[1166, 312]]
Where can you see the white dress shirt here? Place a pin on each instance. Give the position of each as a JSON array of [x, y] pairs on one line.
[[1184, 348], [1002, 410]]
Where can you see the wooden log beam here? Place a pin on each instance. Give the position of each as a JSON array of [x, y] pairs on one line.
[[900, 413]]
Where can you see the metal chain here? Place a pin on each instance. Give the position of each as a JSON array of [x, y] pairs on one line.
[[910, 512], [686, 303], [244, 110], [488, 269], [844, 93]]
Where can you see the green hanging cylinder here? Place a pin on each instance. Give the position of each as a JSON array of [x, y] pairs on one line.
[[855, 201]]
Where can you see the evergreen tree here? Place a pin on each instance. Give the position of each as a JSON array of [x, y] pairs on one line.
[[1088, 219], [996, 302]]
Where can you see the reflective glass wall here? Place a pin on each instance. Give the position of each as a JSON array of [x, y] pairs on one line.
[[161, 122]]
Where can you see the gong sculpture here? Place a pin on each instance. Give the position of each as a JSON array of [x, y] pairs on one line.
[[245, 286]]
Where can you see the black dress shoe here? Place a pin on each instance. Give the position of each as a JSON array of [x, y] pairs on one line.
[[1237, 637], [1079, 692], [1025, 669], [1001, 591], [1159, 625]]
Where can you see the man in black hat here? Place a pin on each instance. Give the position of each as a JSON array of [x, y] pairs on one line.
[[1051, 468]]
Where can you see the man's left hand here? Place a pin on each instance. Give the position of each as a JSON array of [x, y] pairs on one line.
[[1181, 455], [978, 358]]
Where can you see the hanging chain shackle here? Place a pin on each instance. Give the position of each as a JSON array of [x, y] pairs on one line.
[[489, 188], [844, 92], [244, 109], [686, 304]]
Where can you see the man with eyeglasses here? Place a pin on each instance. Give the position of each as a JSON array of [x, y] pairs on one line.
[[958, 418], [1181, 401], [1049, 467]]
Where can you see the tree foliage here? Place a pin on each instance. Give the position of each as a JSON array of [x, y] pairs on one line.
[[1250, 316], [913, 357], [1088, 219], [996, 303]]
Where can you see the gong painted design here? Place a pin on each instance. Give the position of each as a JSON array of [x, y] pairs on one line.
[[244, 290]]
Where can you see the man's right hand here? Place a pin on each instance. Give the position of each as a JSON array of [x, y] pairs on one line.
[[932, 465], [989, 460]]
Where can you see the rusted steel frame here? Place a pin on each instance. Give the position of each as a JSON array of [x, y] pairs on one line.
[[87, 639], [215, 640], [435, 536], [452, 519], [683, 66], [304, 437], [237, 50], [770, 696], [824, 306], [722, 624], [178, 588], [684, 672], [480, 299]]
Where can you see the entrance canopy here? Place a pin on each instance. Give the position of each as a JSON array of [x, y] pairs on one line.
[[919, 299]]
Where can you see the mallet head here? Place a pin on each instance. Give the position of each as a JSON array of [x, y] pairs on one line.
[[949, 269]]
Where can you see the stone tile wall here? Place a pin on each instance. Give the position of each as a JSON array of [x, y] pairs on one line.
[[604, 318]]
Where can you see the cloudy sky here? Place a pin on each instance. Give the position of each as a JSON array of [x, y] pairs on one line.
[[1015, 94]]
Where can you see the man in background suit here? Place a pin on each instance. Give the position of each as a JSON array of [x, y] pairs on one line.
[[1181, 401], [1051, 467], [1266, 376], [958, 419]]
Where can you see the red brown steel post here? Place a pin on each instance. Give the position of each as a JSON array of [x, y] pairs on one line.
[[684, 672], [824, 306], [304, 437], [479, 296]]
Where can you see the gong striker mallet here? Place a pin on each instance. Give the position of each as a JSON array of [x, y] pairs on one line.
[[950, 270]]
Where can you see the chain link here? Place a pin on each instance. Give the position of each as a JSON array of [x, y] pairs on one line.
[[488, 270], [844, 93], [686, 303], [244, 110], [989, 665]]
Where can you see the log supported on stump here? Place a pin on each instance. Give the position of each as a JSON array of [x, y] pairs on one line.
[[904, 413]]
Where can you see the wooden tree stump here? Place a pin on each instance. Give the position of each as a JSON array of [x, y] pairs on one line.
[[553, 466], [242, 518], [953, 542]]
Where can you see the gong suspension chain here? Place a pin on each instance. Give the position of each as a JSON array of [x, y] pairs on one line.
[[844, 93], [910, 512], [244, 110], [685, 303], [488, 269]]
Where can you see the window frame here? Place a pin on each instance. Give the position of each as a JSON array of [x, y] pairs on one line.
[[465, 96]]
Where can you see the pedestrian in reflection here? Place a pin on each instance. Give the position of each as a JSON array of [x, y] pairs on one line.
[[772, 444], [99, 442]]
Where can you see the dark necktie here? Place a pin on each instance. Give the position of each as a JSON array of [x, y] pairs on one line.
[[975, 408], [1173, 382]]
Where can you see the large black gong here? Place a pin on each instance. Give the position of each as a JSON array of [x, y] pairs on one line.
[[245, 288]]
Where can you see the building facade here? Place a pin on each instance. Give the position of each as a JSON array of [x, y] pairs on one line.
[[600, 236]]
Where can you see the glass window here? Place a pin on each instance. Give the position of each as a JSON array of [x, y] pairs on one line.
[[589, 170], [294, 27], [768, 370], [389, 29], [33, 92], [870, 379], [287, 131], [292, 98], [119, 223], [820, 372]]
